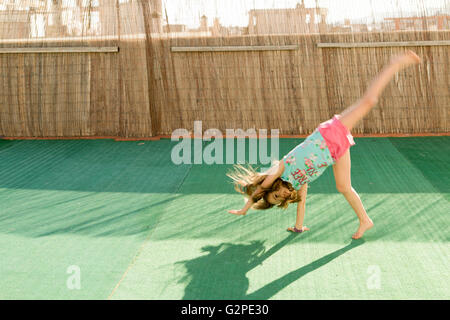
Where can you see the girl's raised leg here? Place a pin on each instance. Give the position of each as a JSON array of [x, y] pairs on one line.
[[341, 170], [350, 116]]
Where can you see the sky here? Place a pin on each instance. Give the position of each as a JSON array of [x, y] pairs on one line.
[[235, 12]]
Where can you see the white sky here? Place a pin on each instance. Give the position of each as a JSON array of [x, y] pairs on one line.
[[235, 12]]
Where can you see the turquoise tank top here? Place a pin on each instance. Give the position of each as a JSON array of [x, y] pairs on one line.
[[307, 161]]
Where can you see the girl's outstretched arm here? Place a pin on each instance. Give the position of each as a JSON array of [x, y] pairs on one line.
[[272, 174], [299, 227], [244, 210]]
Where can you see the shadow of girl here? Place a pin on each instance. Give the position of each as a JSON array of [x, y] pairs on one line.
[[221, 273]]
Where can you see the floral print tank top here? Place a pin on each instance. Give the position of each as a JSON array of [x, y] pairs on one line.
[[307, 161]]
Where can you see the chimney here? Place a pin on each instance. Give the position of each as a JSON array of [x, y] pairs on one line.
[[204, 23]]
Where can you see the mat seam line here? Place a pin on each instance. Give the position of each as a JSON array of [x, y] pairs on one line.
[[145, 242]]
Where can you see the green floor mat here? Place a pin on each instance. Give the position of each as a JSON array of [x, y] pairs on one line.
[[89, 204], [140, 227]]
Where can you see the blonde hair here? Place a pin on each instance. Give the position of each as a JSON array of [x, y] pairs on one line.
[[246, 180]]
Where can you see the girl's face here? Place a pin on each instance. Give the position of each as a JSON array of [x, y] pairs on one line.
[[277, 196]]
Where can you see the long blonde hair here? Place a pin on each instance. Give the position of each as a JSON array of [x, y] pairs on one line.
[[246, 180]]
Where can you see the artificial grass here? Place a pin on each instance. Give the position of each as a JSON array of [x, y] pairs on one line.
[[140, 227]]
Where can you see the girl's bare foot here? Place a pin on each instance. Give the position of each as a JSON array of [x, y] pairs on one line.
[[406, 59], [363, 227]]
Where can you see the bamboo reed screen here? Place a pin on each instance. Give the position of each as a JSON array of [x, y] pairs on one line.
[[161, 65]]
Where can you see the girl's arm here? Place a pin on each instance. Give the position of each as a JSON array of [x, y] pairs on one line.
[[244, 210], [299, 227], [272, 174]]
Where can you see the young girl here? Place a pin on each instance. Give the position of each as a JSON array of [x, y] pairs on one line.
[[287, 180]]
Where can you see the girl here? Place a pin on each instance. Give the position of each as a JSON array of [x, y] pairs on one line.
[[287, 180]]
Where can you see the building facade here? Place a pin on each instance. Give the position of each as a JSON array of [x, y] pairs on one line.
[[296, 20]]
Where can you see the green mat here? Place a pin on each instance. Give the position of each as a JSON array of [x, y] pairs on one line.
[[136, 226]]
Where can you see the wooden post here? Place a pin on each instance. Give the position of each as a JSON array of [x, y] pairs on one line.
[[150, 72]]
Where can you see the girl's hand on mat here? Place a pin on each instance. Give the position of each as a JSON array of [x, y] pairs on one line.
[[294, 229], [237, 212]]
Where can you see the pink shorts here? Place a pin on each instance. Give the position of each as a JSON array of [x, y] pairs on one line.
[[337, 137]]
